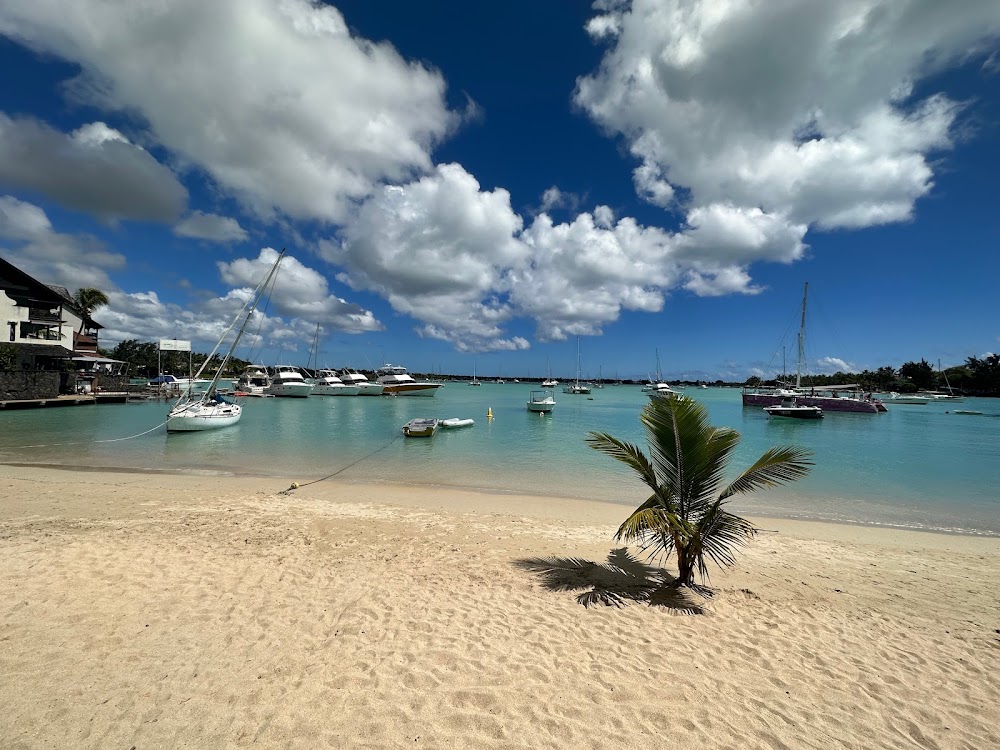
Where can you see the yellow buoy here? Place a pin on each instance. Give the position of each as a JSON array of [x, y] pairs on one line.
[[489, 412], [295, 485]]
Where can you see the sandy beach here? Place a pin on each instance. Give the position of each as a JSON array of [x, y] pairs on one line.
[[162, 611]]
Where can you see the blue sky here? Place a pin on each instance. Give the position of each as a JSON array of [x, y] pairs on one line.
[[460, 183]]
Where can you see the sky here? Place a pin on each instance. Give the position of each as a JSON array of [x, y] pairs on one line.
[[502, 186]]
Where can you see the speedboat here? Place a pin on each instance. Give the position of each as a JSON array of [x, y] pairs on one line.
[[288, 381], [541, 401], [326, 383], [423, 427], [365, 386], [790, 407], [899, 398], [398, 382]]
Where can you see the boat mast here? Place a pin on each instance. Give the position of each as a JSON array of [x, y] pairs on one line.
[[802, 339]]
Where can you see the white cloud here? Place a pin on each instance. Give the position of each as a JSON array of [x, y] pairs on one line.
[[299, 292], [276, 101], [796, 108], [831, 365], [72, 261], [437, 249], [94, 169], [213, 227]]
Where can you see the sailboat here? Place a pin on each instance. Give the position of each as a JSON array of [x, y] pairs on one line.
[[475, 380], [549, 382], [940, 395], [844, 398], [658, 388], [577, 388], [209, 410]]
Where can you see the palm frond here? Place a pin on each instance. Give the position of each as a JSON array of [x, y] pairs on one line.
[[776, 466], [627, 453]]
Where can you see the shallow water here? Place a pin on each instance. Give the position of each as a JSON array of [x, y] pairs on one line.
[[913, 467]]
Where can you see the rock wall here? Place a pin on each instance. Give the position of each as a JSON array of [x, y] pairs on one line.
[[28, 384]]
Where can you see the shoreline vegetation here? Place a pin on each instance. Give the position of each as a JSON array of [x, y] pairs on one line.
[[164, 609]]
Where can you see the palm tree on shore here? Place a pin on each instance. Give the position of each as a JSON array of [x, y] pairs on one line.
[[87, 300], [685, 516]]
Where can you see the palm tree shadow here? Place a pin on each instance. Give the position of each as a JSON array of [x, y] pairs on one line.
[[621, 580]]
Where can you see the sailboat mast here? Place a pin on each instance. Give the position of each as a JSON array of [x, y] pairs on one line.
[[802, 339]]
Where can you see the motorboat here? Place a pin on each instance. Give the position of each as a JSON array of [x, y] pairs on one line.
[[326, 383], [173, 384], [899, 398], [254, 381], [541, 401], [288, 381], [398, 382], [660, 390], [422, 427], [455, 422], [789, 407], [210, 410], [365, 386]]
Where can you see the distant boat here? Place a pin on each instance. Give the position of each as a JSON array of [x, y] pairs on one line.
[[577, 388], [254, 381], [475, 380], [845, 398], [789, 407], [208, 411], [549, 381], [541, 401], [364, 385], [661, 390], [326, 383], [288, 381], [420, 427], [398, 382], [899, 398]]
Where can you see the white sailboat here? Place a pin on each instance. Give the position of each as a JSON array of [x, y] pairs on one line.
[[577, 388], [209, 410]]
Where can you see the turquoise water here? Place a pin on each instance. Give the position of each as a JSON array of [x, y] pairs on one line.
[[914, 467]]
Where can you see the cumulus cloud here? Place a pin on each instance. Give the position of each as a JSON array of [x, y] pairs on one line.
[[831, 365], [31, 243], [212, 227], [800, 109], [278, 102], [438, 249], [298, 291], [95, 169]]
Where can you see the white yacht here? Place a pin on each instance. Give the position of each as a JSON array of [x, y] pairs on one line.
[[326, 383], [398, 382], [254, 381], [287, 380], [660, 390], [365, 386]]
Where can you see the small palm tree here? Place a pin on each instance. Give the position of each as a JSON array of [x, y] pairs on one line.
[[86, 301], [684, 516]]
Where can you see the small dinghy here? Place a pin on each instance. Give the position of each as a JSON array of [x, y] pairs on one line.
[[420, 427], [450, 424]]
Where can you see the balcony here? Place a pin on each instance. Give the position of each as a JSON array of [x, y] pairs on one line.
[[37, 315]]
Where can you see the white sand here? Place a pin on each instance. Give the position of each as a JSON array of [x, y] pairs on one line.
[[162, 611]]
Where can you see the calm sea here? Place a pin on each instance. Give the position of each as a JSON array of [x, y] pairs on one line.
[[922, 467]]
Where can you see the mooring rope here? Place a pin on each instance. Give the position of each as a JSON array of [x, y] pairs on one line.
[[296, 485], [81, 442]]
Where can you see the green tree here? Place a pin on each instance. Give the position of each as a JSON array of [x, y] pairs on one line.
[[87, 300], [685, 515], [921, 374]]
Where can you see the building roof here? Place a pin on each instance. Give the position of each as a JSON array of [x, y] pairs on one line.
[[14, 279], [44, 350]]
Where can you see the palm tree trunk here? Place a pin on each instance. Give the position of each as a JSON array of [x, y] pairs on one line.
[[685, 567]]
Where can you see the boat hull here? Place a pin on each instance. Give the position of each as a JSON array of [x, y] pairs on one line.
[[541, 406], [826, 403], [793, 412], [335, 390], [198, 418], [290, 390], [420, 427], [411, 389]]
